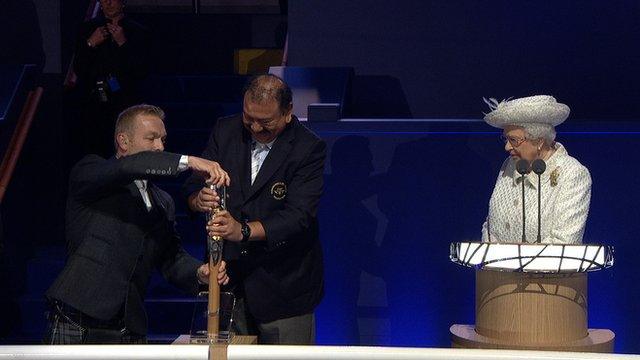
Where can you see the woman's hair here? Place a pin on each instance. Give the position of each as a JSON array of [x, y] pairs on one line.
[[537, 131]]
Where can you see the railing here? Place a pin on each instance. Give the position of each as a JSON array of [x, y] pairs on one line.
[[278, 352], [17, 140]]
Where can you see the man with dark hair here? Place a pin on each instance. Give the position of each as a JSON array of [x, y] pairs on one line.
[[119, 227], [271, 229]]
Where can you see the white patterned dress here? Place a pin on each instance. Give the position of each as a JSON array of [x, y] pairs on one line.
[[566, 193]]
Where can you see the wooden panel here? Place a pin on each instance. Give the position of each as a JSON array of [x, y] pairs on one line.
[[598, 340], [256, 61], [531, 309], [219, 351], [235, 340], [244, 340]]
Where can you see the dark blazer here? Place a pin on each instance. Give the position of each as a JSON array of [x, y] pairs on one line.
[[128, 63], [114, 243], [283, 276]]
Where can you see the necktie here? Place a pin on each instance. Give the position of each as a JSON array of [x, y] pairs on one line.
[[258, 155]]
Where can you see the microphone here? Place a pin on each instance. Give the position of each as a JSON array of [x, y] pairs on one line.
[[522, 166], [539, 166]]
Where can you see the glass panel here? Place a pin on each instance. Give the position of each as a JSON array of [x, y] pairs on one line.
[[198, 333]]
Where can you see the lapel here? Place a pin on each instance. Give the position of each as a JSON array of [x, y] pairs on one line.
[[156, 199], [244, 150], [133, 189], [277, 155], [135, 192]]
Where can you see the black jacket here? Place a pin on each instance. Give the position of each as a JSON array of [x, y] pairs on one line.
[[114, 243], [129, 63], [283, 276]]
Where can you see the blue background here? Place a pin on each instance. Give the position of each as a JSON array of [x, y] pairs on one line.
[[434, 58], [398, 193], [404, 191]]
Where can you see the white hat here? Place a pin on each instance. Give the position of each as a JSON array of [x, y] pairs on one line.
[[539, 109]]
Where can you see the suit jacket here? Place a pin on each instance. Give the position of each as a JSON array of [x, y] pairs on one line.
[[282, 276], [114, 243], [128, 63]]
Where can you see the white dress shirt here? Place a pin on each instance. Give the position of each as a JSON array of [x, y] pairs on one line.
[[565, 197], [183, 164], [259, 152]]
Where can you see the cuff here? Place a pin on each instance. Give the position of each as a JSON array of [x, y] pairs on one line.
[[200, 282], [184, 163]]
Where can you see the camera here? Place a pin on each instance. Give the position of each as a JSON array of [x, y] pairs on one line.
[[102, 91]]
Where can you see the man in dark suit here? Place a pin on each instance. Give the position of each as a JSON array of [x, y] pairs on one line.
[[112, 59], [119, 227], [271, 230]]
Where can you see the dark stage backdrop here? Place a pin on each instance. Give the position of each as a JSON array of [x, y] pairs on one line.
[[398, 193], [432, 59]]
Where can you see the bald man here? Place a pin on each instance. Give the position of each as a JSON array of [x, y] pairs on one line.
[[272, 246]]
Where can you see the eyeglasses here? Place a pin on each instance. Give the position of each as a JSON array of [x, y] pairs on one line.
[[514, 141]]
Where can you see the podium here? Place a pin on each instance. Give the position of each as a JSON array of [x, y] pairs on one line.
[[531, 296]]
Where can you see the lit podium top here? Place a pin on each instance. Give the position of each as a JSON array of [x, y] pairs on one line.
[[534, 258], [531, 296]]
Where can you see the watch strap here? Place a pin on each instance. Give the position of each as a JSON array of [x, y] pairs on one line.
[[246, 231]]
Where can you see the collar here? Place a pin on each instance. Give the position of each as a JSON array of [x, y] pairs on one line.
[[531, 178], [141, 184], [268, 145]]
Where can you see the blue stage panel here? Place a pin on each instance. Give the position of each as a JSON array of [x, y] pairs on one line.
[[397, 193]]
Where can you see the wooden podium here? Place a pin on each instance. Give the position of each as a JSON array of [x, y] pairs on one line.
[[218, 351], [532, 297]]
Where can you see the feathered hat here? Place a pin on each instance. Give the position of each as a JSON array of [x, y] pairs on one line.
[[539, 109]]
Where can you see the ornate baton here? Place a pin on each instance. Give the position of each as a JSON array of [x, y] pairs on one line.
[[214, 244]]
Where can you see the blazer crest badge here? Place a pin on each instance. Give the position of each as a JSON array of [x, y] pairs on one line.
[[279, 190]]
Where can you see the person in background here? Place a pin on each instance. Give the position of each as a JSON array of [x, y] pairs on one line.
[[111, 60]]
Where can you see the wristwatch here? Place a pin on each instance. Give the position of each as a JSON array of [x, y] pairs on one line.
[[246, 231]]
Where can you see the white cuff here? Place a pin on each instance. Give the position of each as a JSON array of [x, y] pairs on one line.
[[184, 163]]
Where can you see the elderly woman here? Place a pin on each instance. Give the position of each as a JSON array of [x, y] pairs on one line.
[[528, 133]]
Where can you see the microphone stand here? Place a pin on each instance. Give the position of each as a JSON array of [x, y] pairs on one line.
[[539, 238], [524, 235], [522, 166], [539, 166]]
